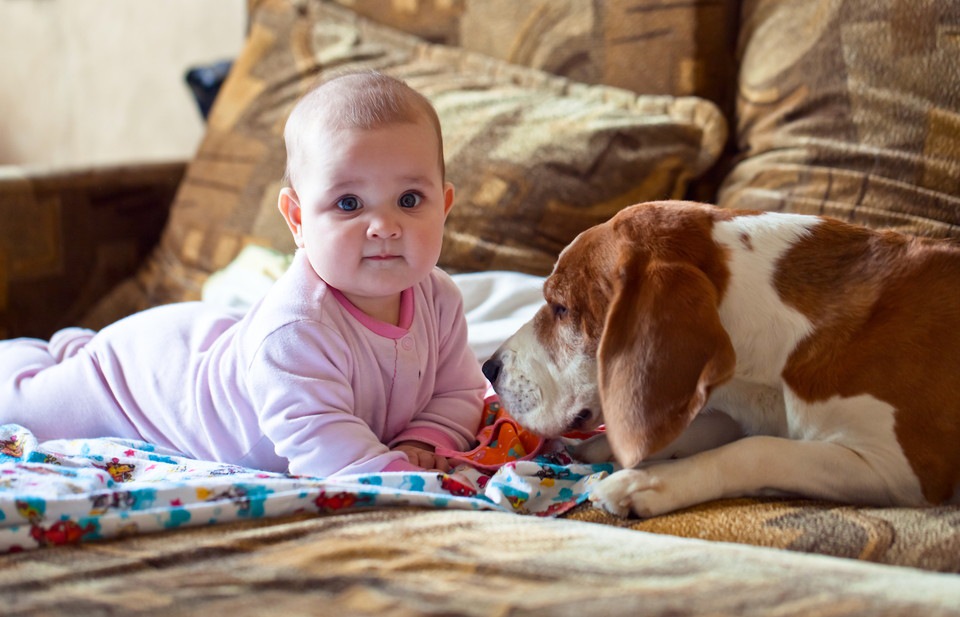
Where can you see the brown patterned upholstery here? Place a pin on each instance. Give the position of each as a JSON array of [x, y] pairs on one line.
[[535, 158], [407, 562], [927, 538], [647, 46], [68, 236], [851, 108], [437, 21]]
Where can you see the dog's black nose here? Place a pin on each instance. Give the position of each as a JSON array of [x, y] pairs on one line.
[[491, 369]]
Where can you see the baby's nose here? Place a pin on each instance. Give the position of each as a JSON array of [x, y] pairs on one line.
[[383, 227]]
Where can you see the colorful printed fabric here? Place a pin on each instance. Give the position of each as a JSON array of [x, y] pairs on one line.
[[68, 491], [502, 440]]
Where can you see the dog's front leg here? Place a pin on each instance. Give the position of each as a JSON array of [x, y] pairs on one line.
[[752, 466]]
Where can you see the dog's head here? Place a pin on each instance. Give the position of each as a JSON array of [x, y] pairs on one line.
[[630, 335]]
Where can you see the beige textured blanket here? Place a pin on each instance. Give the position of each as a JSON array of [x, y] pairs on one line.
[[416, 562], [927, 538]]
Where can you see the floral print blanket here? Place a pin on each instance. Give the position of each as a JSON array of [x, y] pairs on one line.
[[69, 491]]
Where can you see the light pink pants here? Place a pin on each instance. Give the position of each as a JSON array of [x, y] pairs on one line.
[[42, 389]]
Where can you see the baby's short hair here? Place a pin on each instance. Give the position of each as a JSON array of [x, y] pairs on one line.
[[356, 100]]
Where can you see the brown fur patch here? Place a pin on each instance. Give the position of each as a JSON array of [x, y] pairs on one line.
[[886, 316]]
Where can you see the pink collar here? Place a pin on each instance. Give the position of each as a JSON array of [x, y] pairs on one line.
[[376, 326]]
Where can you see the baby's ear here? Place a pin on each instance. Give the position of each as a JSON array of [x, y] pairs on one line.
[[289, 205], [448, 193]]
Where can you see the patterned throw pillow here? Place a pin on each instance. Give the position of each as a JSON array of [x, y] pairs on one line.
[[437, 21], [851, 108], [647, 46], [535, 158]]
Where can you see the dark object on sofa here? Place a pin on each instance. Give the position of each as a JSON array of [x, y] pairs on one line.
[[205, 82]]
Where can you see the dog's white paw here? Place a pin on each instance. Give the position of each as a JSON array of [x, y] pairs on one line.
[[640, 491]]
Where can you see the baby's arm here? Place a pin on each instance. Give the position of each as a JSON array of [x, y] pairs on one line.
[[306, 405]]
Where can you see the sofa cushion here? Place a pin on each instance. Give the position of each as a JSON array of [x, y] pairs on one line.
[[851, 108], [536, 158], [647, 46], [437, 21]]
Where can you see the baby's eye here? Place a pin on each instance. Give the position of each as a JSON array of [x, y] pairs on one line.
[[348, 203], [409, 200]]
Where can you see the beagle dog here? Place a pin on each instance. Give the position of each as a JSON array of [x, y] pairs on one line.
[[738, 353]]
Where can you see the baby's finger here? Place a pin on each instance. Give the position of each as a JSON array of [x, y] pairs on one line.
[[441, 463]]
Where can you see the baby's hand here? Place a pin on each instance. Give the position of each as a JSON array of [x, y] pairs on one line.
[[422, 455]]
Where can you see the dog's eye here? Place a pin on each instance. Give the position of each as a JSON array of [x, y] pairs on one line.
[[559, 311]]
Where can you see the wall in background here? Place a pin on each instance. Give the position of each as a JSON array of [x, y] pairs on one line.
[[90, 82]]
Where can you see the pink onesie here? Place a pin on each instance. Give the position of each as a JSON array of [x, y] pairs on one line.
[[303, 382]]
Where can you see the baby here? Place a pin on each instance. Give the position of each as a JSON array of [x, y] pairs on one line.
[[355, 361]]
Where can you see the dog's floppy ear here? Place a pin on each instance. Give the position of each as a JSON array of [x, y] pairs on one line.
[[663, 350]]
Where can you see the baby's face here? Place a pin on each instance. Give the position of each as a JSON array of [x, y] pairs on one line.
[[373, 204]]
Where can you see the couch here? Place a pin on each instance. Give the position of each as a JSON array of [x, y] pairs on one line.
[[556, 114]]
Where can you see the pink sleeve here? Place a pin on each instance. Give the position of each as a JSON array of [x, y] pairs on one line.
[[402, 465], [306, 403]]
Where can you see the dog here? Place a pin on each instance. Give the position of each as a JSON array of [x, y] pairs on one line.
[[733, 353]]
